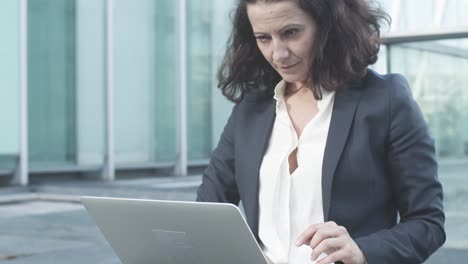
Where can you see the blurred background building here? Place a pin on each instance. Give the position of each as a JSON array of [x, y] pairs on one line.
[[96, 86], [100, 87]]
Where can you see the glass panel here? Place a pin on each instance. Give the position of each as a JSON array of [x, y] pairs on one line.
[[434, 70], [409, 20], [208, 29], [166, 81], [9, 84], [134, 79], [381, 65], [426, 14], [51, 77], [90, 81], [145, 80], [455, 14], [199, 78], [221, 28], [439, 88]]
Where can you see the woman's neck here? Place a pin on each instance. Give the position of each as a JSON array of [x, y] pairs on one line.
[[294, 87]]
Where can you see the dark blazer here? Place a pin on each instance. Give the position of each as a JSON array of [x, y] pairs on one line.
[[379, 161]]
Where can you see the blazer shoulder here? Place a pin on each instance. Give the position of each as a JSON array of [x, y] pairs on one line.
[[255, 103], [385, 81], [393, 88]]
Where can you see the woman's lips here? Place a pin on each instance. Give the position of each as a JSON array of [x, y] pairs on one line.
[[285, 68]]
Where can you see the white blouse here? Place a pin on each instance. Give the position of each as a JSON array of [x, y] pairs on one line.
[[290, 203]]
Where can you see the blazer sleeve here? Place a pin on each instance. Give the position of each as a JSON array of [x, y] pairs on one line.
[[218, 180], [417, 190]]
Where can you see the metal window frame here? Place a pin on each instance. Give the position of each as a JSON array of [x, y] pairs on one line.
[[108, 168], [391, 39], [181, 163], [431, 35], [21, 173]]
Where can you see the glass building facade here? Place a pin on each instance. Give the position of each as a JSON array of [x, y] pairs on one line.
[[67, 55], [71, 45]]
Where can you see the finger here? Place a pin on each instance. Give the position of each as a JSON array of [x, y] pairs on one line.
[[327, 246], [310, 231], [333, 257], [332, 230], [306, 235], [330, 223], [324, 233]]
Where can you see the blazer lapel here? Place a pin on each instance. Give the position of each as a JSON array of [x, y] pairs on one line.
[[257, 135], [344, 108]]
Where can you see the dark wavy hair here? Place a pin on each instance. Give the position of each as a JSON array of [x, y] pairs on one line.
[[346, 43]]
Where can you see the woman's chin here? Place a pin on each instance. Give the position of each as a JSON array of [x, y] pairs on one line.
[[292, 79]]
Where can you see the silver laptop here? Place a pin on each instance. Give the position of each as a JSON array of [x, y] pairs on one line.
[[169, 232]]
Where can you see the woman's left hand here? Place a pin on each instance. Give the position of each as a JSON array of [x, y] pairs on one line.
[[333, 240]]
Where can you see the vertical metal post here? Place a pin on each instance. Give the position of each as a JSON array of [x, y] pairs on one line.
[[388, 59], [108, 172], [21, 174], [181, 166], [438, 19]]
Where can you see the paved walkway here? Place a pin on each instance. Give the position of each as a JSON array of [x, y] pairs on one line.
[[46, 224]]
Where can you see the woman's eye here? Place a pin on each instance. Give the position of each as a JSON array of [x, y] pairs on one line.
[[262, 38], [291, 32]]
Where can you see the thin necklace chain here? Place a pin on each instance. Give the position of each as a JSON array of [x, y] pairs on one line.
[[289, 92]]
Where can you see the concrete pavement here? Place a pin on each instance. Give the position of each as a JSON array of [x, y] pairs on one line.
[[45, 223]]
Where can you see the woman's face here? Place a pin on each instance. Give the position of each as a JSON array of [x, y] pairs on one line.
[[285, 35]]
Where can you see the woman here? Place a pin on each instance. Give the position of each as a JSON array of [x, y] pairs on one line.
[[323, 152]]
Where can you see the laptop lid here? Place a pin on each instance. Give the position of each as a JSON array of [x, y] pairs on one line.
[[173, 232]]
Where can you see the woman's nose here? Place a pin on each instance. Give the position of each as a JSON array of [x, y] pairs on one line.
[[280, 51]]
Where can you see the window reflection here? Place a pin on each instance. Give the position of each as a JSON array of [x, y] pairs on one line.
[[439, 88]]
